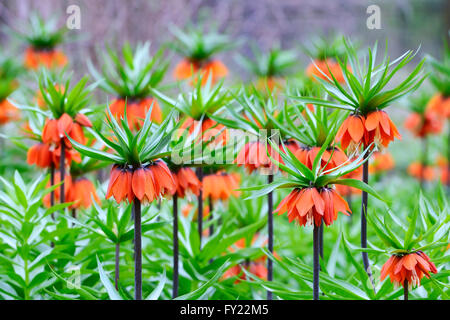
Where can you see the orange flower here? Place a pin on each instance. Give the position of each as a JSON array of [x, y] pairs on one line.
[[358, 130], [8, 112], [410, 267], [57, 191], [69, 156], [209, 129], [186, 181], [381, 162], [214, 69], [420, 171], [55, 130], [319, 66], [40, 155], [189, 206], [439, 105], [443, 166], [81, 194], [254, 156], [145, 183], [331, 158], [220, 185], [310, 205], [46, 58], [423, 125], [136, 111], [269, 83]]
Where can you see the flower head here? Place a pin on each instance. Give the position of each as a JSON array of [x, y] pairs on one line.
[[409, 268], [221, 185], [312, 205], [186, 181]]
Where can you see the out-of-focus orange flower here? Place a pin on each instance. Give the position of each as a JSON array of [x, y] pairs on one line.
[[8, 112], [423, 125], [188, 208], [309, 205], [145, 183], [408, 268], [44, 156], [331, 158], [420, 171], [215, 69], [186, 182], [318, 67], [136, 111], [254, 156], [46, 58], [358, 130], [208, 131], [344, 190], [444, 169], [57, 191], [40, 155], [81, 193], [269, 83], [221, 185], [381, 162], [439, 105], [55, 130]]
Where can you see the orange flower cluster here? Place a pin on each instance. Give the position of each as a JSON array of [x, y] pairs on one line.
[[213, 68], [439, 105], [421, 171], [325, 66], [145, 183], [310, 205], [187, 210], [423, 125], [254, 156], [410, 267], [444, 168], [186, 181], [46, 58], [221, 185], [331, 158], [8, 112], [359, 130], [209, 130], [80, 192], [381, 162], [49, 151], [136, 111]]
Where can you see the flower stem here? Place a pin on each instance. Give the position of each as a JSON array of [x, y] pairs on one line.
[[365, 255], [211, 226], [270, 234], [137, 250], [424, 161], [52, 183], [200, 206], [405, 290], [321, 240], [116, 266], [316, 264], [62, 171], [211, 208], [175, 246]]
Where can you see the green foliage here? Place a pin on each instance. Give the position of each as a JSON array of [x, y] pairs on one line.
[[132, 74]]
